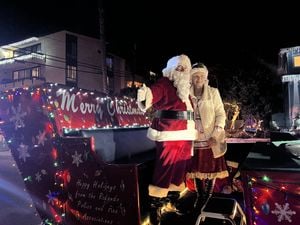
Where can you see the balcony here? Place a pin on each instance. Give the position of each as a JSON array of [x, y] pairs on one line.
[[21, 83], [22, 61]]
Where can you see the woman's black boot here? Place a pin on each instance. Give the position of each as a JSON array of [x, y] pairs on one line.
[[200, 199], [155, 210], [208, 189]]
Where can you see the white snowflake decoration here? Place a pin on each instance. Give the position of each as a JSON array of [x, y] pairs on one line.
[[17, 118], [76, 159], [283, 212], [41, 138], [23, 152], [38, 176]]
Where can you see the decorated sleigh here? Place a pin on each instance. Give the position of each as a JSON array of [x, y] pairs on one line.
[[78, 153]]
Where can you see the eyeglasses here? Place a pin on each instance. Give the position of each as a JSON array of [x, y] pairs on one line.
[[180, 68]]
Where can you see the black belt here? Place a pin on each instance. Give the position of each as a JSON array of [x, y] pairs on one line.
[[175, 115]]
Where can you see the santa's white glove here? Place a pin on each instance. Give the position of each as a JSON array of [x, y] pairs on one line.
[[144, 98], [141, 93]]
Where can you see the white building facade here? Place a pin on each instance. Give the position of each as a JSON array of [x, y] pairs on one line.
[[289, 69], [63, 57]]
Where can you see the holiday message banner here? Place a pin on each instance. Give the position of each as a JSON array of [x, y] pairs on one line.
[[76, 109], [272, 197], [97, 193]]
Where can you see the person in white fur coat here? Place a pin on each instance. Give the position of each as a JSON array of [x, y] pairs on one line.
[[173, 130], [208, 162]]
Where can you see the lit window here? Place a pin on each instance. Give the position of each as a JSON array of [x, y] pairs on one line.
[[5, 54], [297, 61], [35, 72], [19, 75], [109, 63], [16, 75], [71, 73]]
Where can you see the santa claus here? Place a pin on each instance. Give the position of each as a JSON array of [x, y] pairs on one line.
[[173, 129]]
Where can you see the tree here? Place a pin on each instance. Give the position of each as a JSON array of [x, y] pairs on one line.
[[254, 87]]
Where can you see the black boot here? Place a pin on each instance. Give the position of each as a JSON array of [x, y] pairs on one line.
[[208, 189], [155, 210], [200, 199], [173, 196], [171, 204]]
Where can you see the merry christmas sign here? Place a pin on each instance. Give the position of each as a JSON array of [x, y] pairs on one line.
[[77, 109]]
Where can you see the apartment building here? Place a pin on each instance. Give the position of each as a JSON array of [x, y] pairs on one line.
[[65, 58]]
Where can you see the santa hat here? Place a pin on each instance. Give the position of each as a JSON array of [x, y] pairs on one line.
[[199, 68], [179, 60]]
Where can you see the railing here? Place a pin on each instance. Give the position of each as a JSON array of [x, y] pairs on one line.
[[23, 58], [24, 82]]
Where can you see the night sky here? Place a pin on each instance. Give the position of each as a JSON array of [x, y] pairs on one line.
[[151, 31]]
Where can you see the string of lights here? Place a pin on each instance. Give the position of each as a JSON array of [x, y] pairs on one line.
[[266, 182]]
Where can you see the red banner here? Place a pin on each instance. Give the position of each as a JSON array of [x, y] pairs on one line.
[[75, 109]]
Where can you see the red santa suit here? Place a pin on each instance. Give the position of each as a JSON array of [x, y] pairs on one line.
[[173, 129]]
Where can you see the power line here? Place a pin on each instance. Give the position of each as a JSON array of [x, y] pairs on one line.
[[87, 66]]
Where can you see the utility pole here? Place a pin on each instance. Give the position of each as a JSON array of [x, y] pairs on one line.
[[101, 20], [103, 40], [134, 65]]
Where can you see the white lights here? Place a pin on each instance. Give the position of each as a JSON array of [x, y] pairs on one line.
[[290, 78]]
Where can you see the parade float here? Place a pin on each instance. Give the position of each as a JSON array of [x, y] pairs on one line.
[[77, 151], [85, 159]]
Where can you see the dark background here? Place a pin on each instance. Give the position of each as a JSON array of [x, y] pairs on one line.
[[150, 32]]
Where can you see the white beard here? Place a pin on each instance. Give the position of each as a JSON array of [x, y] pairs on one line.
[[182, 83]]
